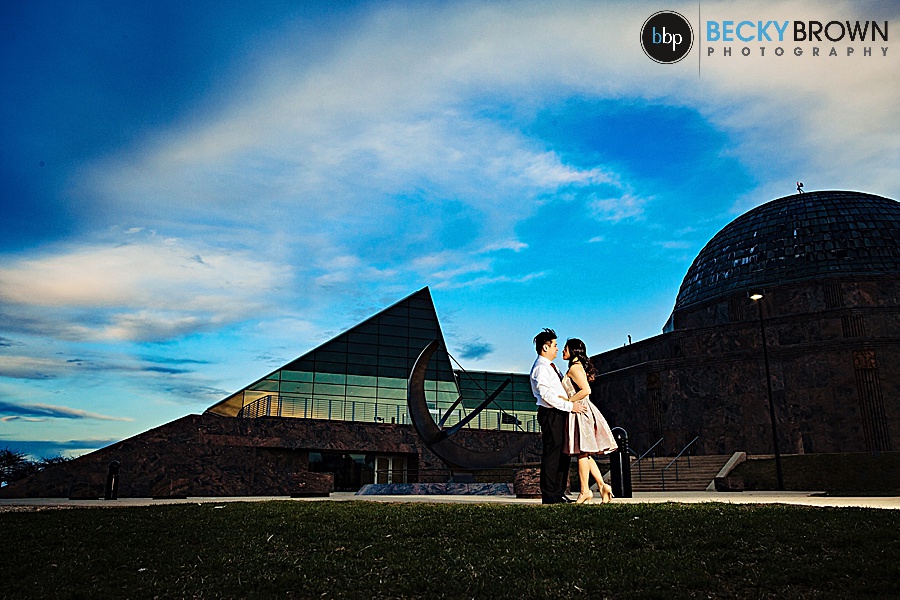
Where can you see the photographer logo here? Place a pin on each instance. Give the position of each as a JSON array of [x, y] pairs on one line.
[[667, 37]]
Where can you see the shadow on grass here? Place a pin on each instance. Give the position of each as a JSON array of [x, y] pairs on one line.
[[365, 549]]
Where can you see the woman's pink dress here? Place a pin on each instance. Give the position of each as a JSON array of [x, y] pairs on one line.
[[587, 432]]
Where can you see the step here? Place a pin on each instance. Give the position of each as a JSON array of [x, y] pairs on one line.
[[696, 477]]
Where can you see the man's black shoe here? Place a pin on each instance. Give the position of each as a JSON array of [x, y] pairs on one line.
[[566, 500]]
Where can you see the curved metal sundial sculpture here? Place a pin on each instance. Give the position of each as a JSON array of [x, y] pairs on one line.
[[438, 439]]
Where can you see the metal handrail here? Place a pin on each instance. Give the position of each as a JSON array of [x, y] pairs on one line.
[[303, 407], [652, 458], [675, 462]]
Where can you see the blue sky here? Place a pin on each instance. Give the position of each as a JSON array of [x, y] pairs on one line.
[[194, 194]]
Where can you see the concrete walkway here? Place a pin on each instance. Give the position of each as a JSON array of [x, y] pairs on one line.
[[797, 498]]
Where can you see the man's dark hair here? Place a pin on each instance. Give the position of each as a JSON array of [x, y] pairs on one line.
[[544, 337]]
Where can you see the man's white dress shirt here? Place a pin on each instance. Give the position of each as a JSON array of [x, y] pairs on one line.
[[547, 387]]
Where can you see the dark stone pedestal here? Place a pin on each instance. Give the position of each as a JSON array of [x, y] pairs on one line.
[[527, 483]]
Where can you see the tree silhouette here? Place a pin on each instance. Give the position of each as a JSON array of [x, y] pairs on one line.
[[15, 465]]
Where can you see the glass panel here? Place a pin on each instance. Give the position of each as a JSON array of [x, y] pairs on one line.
[[393, 372], [302, 364], [423, 329], [361, 392], [392, 382], [334, 346], [296, 387], [401, 310], [362, 359], [330, 377], [296, 375], [361, 338], [394, 351], [327, 367], [361, 369], [327, 388], [361, 380], [335, 357], [422, 315], [363, 349], [447, 397], [266, 384], [250, 396], [392, 361], [389, 393], [392, 322], [390, 340], [369, 327]]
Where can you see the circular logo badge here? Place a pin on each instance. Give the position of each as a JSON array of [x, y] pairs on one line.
[[667, 37]]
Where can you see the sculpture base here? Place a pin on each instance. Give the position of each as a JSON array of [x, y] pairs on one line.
[[436, 489]]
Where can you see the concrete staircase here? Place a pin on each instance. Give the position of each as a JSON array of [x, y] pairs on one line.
[[693, 478]]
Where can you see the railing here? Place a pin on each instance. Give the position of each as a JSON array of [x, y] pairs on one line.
[[675, 462], [380, 412], [652, 458]]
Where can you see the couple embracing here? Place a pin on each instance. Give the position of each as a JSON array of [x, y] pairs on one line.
[[570, 423]]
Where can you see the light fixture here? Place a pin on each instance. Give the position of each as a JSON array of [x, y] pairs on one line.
[[756, 296]]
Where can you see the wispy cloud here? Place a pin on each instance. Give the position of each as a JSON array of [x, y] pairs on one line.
[[476, 349], [30, 367], [151, 289], [617, 209], [52, 412], [483, 281], [377, 155], [675, 245]]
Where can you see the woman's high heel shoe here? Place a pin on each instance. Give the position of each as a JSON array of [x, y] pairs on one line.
[[584, 498], [606, 494]]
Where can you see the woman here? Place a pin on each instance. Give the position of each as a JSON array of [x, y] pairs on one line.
[[587, 433]]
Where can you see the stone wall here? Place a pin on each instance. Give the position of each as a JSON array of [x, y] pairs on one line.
[[834, 358], [210, 455]]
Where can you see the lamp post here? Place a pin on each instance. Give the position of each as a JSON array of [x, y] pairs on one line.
[[757, 297]]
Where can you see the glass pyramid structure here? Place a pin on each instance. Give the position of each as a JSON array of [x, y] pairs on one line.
[[361, 375]]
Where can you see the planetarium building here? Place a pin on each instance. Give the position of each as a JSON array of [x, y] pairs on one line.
[[791, 310], [786, 329]]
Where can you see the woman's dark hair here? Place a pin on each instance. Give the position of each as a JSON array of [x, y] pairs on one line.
[[578, 353]]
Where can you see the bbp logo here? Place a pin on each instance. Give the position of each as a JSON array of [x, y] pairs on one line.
[[667, 37]]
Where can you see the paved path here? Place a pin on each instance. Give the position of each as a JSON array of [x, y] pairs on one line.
[[799, 498]]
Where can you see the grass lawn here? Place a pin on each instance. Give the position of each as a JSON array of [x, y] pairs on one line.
[[411, 550]]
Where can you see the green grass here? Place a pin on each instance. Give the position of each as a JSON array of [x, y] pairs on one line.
[[838, 474], [412, 550]]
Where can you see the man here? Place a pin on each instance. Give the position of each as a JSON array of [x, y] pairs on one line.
[[553, 416]]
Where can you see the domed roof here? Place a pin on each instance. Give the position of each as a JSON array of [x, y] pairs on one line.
[[797, 237]]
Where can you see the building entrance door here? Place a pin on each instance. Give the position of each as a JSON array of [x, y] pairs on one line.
[[391, 469]]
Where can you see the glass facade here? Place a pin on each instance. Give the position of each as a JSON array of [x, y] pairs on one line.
[[361, 375]]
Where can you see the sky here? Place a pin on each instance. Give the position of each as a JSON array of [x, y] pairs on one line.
[[192, 194]]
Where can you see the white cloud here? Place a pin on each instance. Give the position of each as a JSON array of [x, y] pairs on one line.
[[404, 139], [675, 245], [149, 289], [617, 209], [393, 111], [28, 367], [51, 411], [486, 280]]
